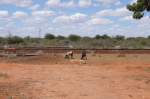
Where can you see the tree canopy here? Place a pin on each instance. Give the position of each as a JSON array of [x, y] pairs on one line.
[[138, 8], [49, 36], [73, 37], [14, 40]]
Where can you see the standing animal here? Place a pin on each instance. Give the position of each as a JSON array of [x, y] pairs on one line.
[[84, 56], [69, 55]]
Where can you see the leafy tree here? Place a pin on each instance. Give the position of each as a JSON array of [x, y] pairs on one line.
[[148, 37], [102, 37], [139, 8], [27, 38], [105, 36], [2, 40], [119, 37], [49, 36], [74, 38], [97, 37], [15, 40]]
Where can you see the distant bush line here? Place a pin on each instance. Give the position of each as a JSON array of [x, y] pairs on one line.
[[76, 41]]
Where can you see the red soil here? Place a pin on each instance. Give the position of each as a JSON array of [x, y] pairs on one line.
[[55, 78]]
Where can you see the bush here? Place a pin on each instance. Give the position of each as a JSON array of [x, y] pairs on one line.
[[15, 40], [97, 37], [119, 38], [74, 38], [102, 37], [121, 55], [49, 36]]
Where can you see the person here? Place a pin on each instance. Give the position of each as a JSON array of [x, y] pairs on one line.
[[84, 56]]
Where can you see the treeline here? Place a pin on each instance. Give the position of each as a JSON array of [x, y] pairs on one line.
[[76, 41]]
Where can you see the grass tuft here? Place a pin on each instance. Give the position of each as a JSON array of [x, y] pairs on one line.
[[147, 69], [121, 55], [3, 75]]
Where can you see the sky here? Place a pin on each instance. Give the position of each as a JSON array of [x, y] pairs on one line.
[[65, 17]]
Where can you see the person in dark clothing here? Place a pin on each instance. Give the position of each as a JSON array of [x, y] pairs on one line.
[[84, 56]]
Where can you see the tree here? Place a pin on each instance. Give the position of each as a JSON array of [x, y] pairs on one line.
[[148, 37], [102, 37], [97, 37], [49, 36], [120, 37], [105, 36], [74, 38], [139, 8], [2, 40], [15, 40]]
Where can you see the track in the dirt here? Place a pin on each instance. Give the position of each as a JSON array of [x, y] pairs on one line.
[[65, 49]]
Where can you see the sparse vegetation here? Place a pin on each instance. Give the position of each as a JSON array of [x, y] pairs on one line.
[[99, 41], [49, 36], [3, 75], [122, 55], [147, 69]]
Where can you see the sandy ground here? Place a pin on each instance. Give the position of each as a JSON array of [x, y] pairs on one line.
[[103, 77]]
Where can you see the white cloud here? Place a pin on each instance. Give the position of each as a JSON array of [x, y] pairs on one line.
[[76, 18], [69, 21], [62, 19], [116, 12], [20, 3], [133, 1], [139, 28], [53, 3], [3, 14], [59, 3], [85, 3], [144, 22], [20, 14], [43, 13], [99, 21], [127, 18], [35, 7], [69, 4], [118, 3], [105, 2]]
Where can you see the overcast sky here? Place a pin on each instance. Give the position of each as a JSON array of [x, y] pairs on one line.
[[64, 17]]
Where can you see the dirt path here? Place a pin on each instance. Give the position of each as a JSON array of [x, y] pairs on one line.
[[74, 82]]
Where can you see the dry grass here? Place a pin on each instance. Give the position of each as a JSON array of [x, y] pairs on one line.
[[3, 75], [147, 69], [121, 55]]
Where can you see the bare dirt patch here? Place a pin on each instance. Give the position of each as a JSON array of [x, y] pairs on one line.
[[104, 77]]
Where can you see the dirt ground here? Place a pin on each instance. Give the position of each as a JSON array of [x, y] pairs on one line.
[[53, 77]]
